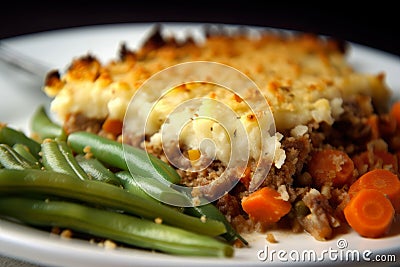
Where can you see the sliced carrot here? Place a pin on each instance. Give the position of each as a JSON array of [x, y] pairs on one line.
[[113, 126], [367, 160], [354, 188], [331, 166], [265, 205], [382, 180], [369, 213], [395, 112]]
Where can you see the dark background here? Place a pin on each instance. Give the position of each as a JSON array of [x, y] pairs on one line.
[[374, 24]]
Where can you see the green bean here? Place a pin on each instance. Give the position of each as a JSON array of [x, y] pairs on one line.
[[68, 154], [23, 150], [99, 193], [12, 160], [11, 137], [44, 127], [124, 157], [58, 157], [96, 170], [209, 211], [119, 227], [150, 188]]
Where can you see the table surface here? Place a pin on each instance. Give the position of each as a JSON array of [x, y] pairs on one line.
[[371, 25], [10, 262], [375, 26]]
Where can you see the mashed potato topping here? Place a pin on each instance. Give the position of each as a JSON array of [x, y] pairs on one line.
[[304, 78]]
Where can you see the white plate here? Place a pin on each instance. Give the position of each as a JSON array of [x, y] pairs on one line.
[[20, 96]]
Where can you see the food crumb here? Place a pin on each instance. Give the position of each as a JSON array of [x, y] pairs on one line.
[[55, 230], [196, 201], [34, 136], [283, 192], [271, 238], [66, 233], [238, 244], [299, 130], [87, 151], [158, 220], [203, 218], [108, 244]]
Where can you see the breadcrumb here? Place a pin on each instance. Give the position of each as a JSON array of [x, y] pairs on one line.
[[87, 151], [271, 238], [109, 244], [66, 233], [55, 230], [196, 201]]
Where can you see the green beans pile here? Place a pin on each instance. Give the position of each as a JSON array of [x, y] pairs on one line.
[[82, 182]]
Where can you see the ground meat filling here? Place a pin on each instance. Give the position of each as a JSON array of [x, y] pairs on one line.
[[321, 207], [79, 122], [297, 150]]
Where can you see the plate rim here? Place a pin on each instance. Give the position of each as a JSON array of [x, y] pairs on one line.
[[172, 260]]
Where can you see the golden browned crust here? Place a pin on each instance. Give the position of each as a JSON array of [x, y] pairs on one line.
[[300, 74]]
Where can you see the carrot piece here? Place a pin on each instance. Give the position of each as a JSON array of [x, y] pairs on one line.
[[265, 205], [395, 112], [373, 123], [194, 154], [113, 126], [387, 158], [387, 124], [331, 166], [382, 180], [378, 159], [354, 188], [361, 162], [246, 177], [369, 213]]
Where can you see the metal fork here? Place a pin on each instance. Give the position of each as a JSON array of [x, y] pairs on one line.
[[22, 62]]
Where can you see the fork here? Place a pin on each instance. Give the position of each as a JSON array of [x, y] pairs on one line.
[[22, 62]]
